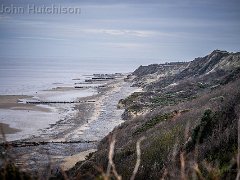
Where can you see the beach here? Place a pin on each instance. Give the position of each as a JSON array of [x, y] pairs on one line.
[[12, 102], [11, 109], [5, 129], [78, 128]]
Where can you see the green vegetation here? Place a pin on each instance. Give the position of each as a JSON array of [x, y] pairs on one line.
[[135, 108], [133, 97], [164, 101], [171, 99], [123, 154], [220, 153], [222, 158], [152, 122], [204, 128], [156, 154]]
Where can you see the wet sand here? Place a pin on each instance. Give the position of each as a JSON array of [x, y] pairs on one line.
[[5, 129], [12, 102], [70, 161]]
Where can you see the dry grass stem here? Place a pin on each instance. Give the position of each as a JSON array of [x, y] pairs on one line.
[[111, 164], [138, 158], [182, 160]]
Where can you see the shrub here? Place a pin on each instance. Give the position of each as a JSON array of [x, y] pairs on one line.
[[152, 122], [202, 130]]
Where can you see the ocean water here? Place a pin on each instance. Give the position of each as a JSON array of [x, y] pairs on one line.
[[27, 75], [35, 77]]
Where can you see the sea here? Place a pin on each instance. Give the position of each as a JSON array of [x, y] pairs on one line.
[[35, 76], [26, 75]]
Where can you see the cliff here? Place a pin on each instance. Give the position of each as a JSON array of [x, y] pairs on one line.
[[188, 114]]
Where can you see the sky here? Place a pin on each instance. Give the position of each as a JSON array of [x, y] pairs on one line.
[[148, 30]]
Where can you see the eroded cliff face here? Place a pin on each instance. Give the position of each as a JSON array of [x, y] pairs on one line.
[[146, 75], [217, 64], [166, 84], [187, 114]]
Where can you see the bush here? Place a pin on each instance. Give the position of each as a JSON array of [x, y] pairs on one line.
[[201, 131], [152, 122]]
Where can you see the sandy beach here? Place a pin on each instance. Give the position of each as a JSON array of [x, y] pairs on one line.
[[84, 122], [5, 129], [70, 161], [12, 102]]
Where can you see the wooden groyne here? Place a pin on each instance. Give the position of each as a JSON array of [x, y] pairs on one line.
[[102, 78], [99, 78], [108, 75], [94, 80], [88, 87], [29, 144], [58, 102]]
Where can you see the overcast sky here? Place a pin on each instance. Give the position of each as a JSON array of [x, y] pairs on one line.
[[150, 29]]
